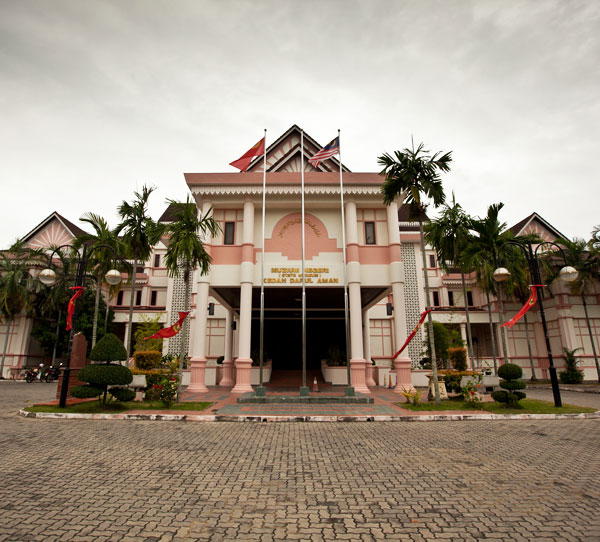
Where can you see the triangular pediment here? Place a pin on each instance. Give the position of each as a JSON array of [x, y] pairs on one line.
[[55, 230], [284, 154], [534, 224]]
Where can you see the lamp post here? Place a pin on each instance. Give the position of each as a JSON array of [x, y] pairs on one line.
[[48, 278], [567, 273]]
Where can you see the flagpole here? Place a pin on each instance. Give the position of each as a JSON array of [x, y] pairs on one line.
[[260, 390], [349, 388], [304, 388]]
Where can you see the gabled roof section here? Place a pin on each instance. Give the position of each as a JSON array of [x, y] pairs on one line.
[[284, 154], [168, 215], [54, 230], [535, 224]]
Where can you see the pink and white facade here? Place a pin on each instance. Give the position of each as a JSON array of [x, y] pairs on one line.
[[384, 266]]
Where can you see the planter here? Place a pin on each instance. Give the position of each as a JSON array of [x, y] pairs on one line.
[[338, 376], [255, 374], [139, 381], [441, 387]]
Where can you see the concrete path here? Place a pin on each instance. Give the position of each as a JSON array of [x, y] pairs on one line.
[[139, 481]]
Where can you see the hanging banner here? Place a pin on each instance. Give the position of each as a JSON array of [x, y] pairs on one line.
[[412, 334], [169, 331], [528, 304], [71, 307]]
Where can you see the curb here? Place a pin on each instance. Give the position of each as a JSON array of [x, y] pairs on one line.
[[576, 390], [308, 418]]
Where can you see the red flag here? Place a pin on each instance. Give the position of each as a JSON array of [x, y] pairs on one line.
[[412, 333], [71, 307], [528, 304], [169, 331], [243, 162]]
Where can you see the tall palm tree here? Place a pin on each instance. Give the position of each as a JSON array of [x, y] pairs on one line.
[[186, 252], [139, 232], [102, 259], [414, 175], [17, 286], [487, 248], [448, 235], [584, 257]]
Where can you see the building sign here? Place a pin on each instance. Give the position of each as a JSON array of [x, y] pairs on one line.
[[293, 275]]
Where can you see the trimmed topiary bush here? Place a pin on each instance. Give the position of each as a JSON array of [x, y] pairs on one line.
[[122, 394], [571, 374], [85, 392], [109, 348], [510, 374], [102, 376], [147, 359]]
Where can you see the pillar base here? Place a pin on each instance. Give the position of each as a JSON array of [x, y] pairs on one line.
[[227, 379], [403, 375], [242, 376], [369, 370], [357, 376], [198, 371]]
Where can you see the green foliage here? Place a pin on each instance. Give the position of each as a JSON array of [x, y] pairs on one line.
[[444, 337], [412, 397], [510, 371], [122, 394], [147, 360], [105, 375], [336, 357], [109, 348], [44, 330], [458, 358], [511, 374], [147, 327], [470, 392], [572, 374], [452, 381], [85, 392]]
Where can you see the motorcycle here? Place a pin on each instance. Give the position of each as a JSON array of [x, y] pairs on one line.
[[34, 373], [52, 373]]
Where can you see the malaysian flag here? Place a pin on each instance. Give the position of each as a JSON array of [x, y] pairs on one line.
[[326, 152]]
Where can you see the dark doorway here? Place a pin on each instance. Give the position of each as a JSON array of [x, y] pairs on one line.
[[283, 341]]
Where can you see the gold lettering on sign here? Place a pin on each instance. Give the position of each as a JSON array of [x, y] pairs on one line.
[[292, 275], [310, 224]]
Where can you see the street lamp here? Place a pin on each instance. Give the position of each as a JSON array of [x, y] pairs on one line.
[[567, 273], [48, 278]]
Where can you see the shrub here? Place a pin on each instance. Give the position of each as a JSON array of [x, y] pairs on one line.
[[510, 373], [458, 358], [147, 327], [102, 376], [452, 381], [122, 394], [85, 392], [108, 348], [147, 359], [571, 374]]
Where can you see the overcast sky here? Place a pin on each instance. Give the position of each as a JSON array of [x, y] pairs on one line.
[[99, 97]]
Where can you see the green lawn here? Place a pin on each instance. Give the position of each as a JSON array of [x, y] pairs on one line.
[[93, 407], [530, 406]]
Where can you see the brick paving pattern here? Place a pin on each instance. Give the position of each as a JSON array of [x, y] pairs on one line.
[[133, 481]]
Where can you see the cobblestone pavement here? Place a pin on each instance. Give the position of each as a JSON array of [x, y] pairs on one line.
[[160, 481]]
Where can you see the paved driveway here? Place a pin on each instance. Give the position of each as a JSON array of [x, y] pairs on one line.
[[150, 481]]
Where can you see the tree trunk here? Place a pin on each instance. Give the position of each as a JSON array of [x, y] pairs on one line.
[[184, 331], [96, 308], [107, 308], [131, 300], [469, 334], [4, 350], [533, 377], [429, 319], [492, 333], [502, 329], [589, 326]]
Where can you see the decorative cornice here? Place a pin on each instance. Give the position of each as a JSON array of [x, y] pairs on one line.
[[238, 190]]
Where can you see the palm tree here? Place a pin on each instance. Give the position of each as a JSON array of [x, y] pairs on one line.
[[584, 257], [17, 286], [139, 233], [186, 252], [487, 247], [448, 235], [414, 176], [102, 259]]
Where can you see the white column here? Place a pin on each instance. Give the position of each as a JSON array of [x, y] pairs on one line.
[[357, 361], [367, 349], [198, 346], [227, 379], [243, 362], [402, 363]]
